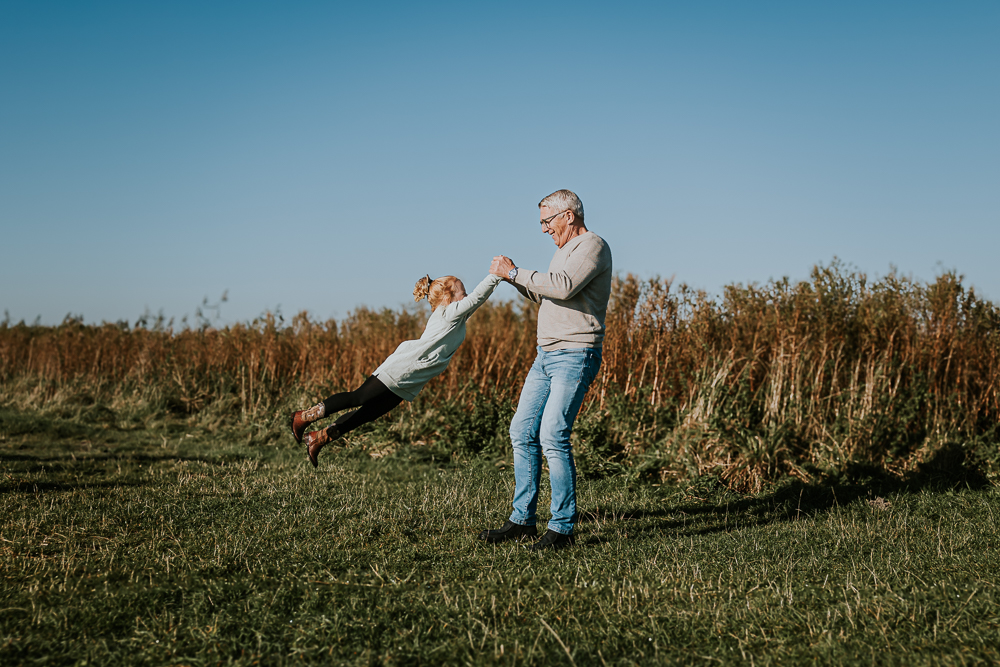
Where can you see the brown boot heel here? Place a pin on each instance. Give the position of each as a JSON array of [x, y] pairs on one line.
[[315, 441]]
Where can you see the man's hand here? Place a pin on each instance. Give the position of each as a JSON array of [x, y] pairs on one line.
[[501, 266]]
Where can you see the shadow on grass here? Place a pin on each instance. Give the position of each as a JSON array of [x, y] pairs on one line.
[[724, 510], [84, 466]]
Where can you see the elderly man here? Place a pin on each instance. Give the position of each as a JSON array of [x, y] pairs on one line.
[[574, 299]]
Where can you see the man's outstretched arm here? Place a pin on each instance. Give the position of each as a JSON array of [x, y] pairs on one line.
[[579, 269]]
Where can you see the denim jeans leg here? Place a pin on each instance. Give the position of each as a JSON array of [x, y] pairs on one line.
[[570, 373], [527, 449]]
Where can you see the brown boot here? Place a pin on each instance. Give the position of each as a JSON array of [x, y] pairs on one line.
[[316, 440], [303, 418]]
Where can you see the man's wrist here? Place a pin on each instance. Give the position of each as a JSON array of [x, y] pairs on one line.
[[512, 274]]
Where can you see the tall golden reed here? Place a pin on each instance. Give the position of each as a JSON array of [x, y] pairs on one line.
[[763, 381]]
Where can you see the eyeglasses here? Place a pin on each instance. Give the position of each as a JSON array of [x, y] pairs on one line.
[[548, 220]]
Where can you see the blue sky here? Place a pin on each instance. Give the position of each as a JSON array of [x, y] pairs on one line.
[[323, 156]]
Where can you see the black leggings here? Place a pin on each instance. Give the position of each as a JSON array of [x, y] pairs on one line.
[[373, 399]]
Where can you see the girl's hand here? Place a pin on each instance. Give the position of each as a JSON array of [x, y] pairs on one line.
[[501, 266]]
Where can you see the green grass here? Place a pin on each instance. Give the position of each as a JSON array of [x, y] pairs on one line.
[[177, 544]]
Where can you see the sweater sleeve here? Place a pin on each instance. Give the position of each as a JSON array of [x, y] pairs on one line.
[[469, 304], [524, 291], [579, 269]]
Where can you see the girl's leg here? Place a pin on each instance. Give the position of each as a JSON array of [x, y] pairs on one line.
[[371, 389], [373, 400], [376, 404]]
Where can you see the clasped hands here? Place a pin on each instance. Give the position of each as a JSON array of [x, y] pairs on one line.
[[501, 266]]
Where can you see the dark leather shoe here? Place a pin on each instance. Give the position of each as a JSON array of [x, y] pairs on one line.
[[552, 540], [509, 531]]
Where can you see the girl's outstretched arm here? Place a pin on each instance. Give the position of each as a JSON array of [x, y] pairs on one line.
[[468, 305]]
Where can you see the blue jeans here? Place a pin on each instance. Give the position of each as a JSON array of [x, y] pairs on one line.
[[550, 399]]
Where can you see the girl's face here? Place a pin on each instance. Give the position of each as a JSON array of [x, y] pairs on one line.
[[458, 290]]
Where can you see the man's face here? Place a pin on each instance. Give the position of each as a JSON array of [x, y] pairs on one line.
[[558, 227]]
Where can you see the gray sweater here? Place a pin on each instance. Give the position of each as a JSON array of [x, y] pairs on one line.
[[574, 294], [417, 362]]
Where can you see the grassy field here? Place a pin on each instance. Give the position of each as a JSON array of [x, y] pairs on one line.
[[173, 542]]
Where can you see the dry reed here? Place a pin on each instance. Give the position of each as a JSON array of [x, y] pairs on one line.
[[766, 380]]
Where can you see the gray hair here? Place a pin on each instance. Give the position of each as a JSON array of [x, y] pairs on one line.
[[564, 200]]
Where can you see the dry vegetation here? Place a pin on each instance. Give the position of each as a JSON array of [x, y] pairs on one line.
[[766, 381]]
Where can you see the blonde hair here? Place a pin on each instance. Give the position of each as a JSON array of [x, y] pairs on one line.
[[438, 292]]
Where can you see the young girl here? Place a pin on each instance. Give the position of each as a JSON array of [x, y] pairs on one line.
[[407, 370]]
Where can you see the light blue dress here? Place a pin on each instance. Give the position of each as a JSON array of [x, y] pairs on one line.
[[417, 362]]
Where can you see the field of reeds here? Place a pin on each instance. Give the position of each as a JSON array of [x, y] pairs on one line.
[[765, 381]]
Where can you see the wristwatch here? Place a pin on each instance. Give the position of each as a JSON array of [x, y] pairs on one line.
[[512, 274]]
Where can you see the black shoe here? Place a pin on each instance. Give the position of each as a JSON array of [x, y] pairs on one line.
[[510, 531], [552, 540]]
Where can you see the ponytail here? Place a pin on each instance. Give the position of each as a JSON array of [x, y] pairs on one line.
[[422, 289]]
